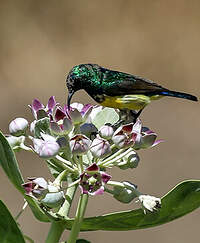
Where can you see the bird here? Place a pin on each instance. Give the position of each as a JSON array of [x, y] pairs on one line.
[[116, 89]]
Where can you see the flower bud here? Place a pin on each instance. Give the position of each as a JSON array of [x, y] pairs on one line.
[[18, 126], [79, 144], [106, 131], [100, 147], [125, 194], [88, 129], [46, 148], [53, 199], [131, 160], [62, 141]]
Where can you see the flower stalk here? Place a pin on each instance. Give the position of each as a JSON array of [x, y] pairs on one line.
[[78, 219], [55, 232]]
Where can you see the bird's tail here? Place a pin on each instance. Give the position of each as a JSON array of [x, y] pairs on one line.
[[178, 95]]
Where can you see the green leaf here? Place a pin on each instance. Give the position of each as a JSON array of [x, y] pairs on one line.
[[107, 115], [10, 166], [9, 231], [181, 200], [37, 211], [9, 163]]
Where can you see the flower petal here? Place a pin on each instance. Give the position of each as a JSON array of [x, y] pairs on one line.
[[51, 103], [148, 140], [36, 105], [67, 125], [105, 177], [157, 142], [99, 191], [75, 116], [93, 167], [41, 113], [137, 127], [59, 114], [55, 127], [77, 106]]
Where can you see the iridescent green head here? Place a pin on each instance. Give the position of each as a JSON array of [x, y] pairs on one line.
[[81, 77]]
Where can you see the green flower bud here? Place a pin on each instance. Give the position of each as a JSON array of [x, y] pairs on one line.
[[125, 194], [53, 199], [129, 161]]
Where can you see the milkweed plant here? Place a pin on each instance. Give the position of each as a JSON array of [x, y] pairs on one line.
[[80, 145]]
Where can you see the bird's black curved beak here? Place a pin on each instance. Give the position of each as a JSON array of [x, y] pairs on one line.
[[70, 94]]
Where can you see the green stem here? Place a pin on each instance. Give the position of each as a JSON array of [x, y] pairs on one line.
[[69, 196], [117, 158], [81, 163], [60, 164], [66, 162], [60, 177], [55, 232], [23, 208], [111, 157], [57, 228], [78, 219]]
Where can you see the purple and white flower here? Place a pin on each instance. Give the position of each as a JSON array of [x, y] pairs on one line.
[[80, 113], [93, 180], [40, 111], [36, 187], [46, 147], [124, 137]]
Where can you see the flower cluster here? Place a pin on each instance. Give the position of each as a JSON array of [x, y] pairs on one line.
[[84, 141]]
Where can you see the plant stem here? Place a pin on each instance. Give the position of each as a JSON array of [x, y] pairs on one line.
[[64, 210], [23, 208], [57, 228], [55, 232], [111, 157], [117, 158], [78, 219]]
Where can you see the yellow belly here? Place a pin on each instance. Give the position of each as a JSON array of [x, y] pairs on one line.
[[131, 102]]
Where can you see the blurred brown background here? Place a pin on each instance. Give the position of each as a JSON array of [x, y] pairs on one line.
[[40, 41]]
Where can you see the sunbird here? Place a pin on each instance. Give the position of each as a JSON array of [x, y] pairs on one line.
[[117, 89]]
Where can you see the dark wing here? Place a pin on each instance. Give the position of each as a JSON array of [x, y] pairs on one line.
[[118, 83]]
